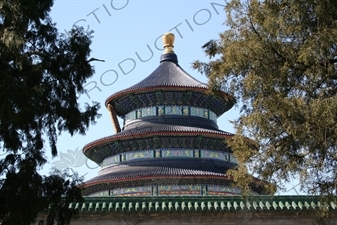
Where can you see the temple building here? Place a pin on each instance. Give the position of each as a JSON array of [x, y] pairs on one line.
[[170, 143], [168, 162]]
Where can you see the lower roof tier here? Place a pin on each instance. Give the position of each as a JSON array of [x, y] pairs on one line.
[[147, 135], [197, 164], [124, 176]]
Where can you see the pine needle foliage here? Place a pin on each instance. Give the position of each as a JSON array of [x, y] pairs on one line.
[[278, 58], [42, 73]]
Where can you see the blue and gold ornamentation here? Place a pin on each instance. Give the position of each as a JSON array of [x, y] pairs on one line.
[[139, 155], [170, 110], [111, 160], [179, 189], [177, 153], [158, 153], [143, 190], [173, 110], [130, 116], [186, 110], [214, 155], [161, 110], [223, 190], [169, 153]]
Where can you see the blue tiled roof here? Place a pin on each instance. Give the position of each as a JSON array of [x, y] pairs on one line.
[[169, 74], [127, 171], [146, 126]]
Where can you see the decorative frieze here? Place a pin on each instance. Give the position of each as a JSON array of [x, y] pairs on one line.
[[170, 110], [132, 191], [215, 155], [173, 190], [132, 102], [179, 190], [177, 153], [223, 190], [168, 153]]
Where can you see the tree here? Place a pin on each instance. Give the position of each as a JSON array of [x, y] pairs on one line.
[[42, 72], [278, 59]]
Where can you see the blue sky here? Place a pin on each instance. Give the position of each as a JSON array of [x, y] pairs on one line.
[[123, 29]]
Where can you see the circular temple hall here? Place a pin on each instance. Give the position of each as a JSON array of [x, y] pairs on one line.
[[170, 143]]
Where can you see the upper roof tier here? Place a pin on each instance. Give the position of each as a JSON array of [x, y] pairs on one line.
[[169, 73], [169, 77]]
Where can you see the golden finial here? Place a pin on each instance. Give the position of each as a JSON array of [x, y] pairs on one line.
[[168, 40]]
